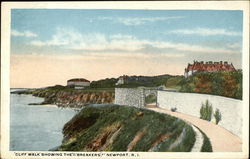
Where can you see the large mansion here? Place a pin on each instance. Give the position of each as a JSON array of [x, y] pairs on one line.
[[207, 67]]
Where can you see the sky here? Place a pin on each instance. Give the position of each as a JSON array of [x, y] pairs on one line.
[[50, 46]]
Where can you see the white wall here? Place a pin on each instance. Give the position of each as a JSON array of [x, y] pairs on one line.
[[190, 103]]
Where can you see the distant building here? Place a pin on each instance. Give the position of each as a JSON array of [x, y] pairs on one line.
[[122, 80], [207, 67], [78, 83]]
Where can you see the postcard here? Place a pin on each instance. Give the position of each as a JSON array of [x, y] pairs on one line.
[[125, 79]]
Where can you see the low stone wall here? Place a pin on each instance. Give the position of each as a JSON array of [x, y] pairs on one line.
[[129, 96], [190, 103]]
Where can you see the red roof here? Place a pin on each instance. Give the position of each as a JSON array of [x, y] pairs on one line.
[[210, 66], [78, 80]]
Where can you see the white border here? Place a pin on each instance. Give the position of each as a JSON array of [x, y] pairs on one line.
[[159, 5]]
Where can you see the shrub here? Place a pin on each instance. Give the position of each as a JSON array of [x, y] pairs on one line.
[[206, 111], [151, 98], [217, 116], [173, 109]]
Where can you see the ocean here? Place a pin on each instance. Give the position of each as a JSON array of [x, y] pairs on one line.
[[36, 127]]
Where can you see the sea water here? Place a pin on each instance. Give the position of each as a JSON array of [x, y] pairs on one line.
[[36, 127]]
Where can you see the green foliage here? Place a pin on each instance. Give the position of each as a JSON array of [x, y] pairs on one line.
[[174, 82], [187, 143], [217, 116], [203, 83], [206, 146], [105, 83], [187, 85], [206, 111], [151, 98], [228, 84], [90, 122], [152, 81]]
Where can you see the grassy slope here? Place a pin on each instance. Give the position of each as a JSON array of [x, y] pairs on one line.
[[116, 126]]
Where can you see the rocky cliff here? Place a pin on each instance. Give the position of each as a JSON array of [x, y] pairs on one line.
[[71, 98], [76, 99]]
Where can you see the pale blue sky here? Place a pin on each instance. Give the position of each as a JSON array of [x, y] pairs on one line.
[[166, 37]]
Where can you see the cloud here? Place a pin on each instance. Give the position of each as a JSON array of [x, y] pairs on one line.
[[24, 33], [70, 39], [205, 32], [139, 20], [92, 42]]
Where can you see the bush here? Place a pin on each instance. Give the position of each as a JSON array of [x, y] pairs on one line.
[[217, 116], [206, 111], [173, 109], [150, 98]]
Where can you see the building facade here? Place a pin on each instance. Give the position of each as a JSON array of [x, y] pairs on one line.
[[78, 83], [207, 67], [122, 80]]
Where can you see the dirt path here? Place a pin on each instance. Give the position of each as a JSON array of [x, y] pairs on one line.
[[221, 139]]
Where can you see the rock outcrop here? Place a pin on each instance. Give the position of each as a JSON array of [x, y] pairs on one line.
[[71, 98], [76, 99]]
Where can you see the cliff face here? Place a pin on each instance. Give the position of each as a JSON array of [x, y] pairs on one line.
[[68, 97], [75, 99]]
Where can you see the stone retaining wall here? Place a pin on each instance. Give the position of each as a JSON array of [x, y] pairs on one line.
[[190, 103], [130, 97]]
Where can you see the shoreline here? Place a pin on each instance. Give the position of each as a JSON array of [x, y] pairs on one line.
[[71, 98]]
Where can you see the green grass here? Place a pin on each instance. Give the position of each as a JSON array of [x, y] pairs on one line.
[[188, 141], [206, 146], [77, 136]]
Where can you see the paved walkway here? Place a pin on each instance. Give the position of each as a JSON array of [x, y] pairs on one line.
[[221, 139]]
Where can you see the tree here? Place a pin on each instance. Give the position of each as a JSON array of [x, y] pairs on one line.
[[206, 111], [217, 116], [203, 83]]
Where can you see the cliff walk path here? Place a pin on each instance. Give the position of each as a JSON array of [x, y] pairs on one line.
[[221, 139]]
